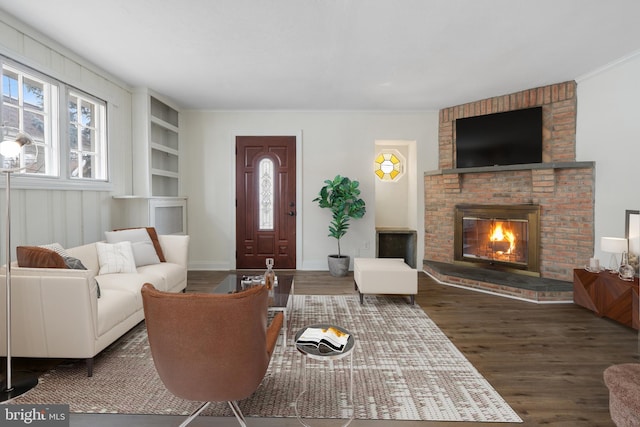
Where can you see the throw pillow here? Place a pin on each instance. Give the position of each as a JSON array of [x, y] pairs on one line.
[[154, 238], [73, 263], [156, 243], [55, 247], [143, 251], [37, 257], [115, 258]]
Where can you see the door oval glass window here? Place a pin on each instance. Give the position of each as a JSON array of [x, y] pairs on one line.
[[265, 201]]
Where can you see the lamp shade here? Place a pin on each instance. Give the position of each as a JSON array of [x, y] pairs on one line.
[[11, 146], [613, 244]]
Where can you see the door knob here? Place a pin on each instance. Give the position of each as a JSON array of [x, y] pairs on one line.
[[292, 213]]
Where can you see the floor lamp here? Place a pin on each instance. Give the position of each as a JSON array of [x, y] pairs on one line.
[[11, 148]]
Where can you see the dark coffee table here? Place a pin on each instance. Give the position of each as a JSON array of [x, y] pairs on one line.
[[279, 295]]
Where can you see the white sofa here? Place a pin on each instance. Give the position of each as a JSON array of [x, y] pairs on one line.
[[384, 276], [56, 312]]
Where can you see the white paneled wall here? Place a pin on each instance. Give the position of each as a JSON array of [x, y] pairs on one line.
[[68, 216]]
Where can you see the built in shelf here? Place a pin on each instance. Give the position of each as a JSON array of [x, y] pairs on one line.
[[167, 214]]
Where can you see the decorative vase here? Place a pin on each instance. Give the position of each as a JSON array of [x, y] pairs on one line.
[[338, 265], [269, 275], [626, 272]]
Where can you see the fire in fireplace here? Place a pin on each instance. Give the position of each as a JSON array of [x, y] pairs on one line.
[[495, 240], [498, 236]]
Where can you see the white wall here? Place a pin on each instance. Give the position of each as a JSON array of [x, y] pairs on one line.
[[68, 216], [608, 132], [331, 143], [395, 200]]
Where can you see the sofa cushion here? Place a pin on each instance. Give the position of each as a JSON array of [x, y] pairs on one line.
[[130, 282], [144, 252], [114, 308], [115, 258], [39, 257], [171, 275]]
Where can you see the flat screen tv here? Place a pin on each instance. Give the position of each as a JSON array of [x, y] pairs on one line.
[[509, 138]]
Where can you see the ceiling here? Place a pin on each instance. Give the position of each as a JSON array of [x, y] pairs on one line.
[[381, 55]]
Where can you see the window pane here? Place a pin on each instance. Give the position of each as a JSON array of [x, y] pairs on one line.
[[87, 166], [87, 113], [34, 125], [11, 116], [83, 169], [73, 164], [10, 87], [266, 194], [88, 137], [34, 158], [33, 94], [73, 110], [73, 137]]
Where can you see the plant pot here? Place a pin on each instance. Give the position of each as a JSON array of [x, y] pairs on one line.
[[338, 265]]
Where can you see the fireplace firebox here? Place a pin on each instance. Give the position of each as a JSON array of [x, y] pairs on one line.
[[504, 237]]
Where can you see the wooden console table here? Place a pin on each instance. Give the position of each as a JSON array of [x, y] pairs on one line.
[[607, 296]]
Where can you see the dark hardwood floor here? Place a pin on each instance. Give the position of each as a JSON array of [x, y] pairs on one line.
[[545, 360]]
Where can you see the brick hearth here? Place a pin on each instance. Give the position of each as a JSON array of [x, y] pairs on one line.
[[535, 289], [562, 187]]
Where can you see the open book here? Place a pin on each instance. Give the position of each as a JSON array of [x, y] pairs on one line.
[[330, 337]]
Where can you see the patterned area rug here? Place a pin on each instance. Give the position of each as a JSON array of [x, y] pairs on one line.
[[404, 367]]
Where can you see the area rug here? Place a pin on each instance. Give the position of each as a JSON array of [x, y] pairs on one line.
[[404, 367]]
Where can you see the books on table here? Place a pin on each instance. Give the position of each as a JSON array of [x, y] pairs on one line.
[[331, 338]]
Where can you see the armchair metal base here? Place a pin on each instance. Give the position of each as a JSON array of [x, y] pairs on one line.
[[237, 412], [232, 404]]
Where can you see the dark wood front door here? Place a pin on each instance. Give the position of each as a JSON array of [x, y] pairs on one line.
[[265, 201]]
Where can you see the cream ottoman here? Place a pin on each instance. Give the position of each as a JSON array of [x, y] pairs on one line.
[[384, 276]]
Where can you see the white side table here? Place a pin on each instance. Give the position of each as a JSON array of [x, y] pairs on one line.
[[325, 354]]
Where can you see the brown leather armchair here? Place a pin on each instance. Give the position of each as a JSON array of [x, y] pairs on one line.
[[210, 347]]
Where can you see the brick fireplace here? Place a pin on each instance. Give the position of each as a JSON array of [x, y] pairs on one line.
[[561, 188]]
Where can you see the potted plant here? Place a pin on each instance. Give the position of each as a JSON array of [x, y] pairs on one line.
[[342, 196]]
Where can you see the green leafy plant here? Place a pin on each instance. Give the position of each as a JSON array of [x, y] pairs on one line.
[[342, 196]]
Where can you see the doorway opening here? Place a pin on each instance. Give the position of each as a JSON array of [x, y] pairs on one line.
[[396, 186]]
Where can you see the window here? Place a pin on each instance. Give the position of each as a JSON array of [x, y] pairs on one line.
[[87, 137], [388, 166], [69, 146], [266, 194], [29, 103]]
